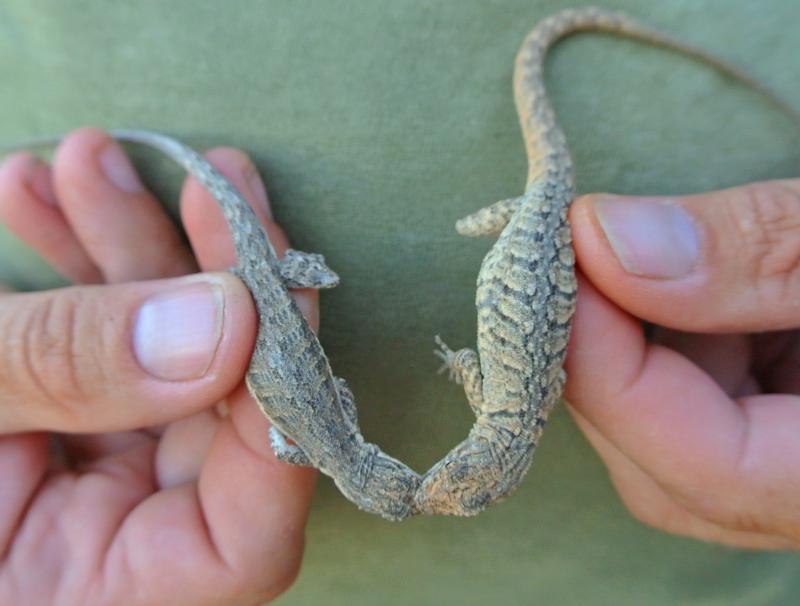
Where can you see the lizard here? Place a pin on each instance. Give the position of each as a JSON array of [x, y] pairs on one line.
[[526, 286], [525, 299], [289, 375]]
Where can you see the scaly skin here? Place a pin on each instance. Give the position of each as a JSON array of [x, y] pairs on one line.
[[289, 375], [526, 288]]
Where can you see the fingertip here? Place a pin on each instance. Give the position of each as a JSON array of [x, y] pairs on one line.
[[41, 184], [607, 261], [17, 167], [89, 160], [588, 238], [581, 215], [242, 317], [30, 209], [170, 325], [21, 182], [26, 180], [111, 212], [76, 149], [15, 173], [191, 337], [593, 253]]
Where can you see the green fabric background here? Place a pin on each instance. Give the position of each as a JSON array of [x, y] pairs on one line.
[[377, 124]]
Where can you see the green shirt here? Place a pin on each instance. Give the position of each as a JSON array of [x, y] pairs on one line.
[[376, 125]]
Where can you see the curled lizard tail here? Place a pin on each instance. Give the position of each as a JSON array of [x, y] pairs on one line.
[[546, 147]]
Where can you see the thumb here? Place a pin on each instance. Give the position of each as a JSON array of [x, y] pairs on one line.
[[107, 358], [725, 261]]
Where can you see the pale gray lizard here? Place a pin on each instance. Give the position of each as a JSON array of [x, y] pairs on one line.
[[289, 375], [526, 287]]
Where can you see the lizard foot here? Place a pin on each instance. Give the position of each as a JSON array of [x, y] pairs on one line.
[[288, 453], [448, 356]]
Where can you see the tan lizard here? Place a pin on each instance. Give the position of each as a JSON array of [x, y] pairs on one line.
[[526, 286]]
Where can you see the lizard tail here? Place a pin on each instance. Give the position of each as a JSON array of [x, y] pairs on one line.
[[546, 146]]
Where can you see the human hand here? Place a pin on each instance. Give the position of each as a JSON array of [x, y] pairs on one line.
[[121, 482], [699, 425]]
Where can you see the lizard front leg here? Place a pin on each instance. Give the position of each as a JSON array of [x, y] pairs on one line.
[[491, 220], [288, 453]]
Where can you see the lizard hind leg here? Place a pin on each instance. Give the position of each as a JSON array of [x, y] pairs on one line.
[[306, 270], [490, 220], [464, 367], [288, 453]]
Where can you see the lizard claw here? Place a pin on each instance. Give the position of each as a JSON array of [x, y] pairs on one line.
[[448, 356]]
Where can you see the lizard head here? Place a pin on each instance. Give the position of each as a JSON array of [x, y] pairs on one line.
[[384, 485]]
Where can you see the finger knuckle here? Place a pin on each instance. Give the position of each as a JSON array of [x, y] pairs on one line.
[[47, 359], [725, 510], [767, 220], [719, 502]]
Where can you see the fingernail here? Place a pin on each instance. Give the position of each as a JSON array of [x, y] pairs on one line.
[[40, 181], [176, 334], [119, 170], [651, 237], [256, 186]]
